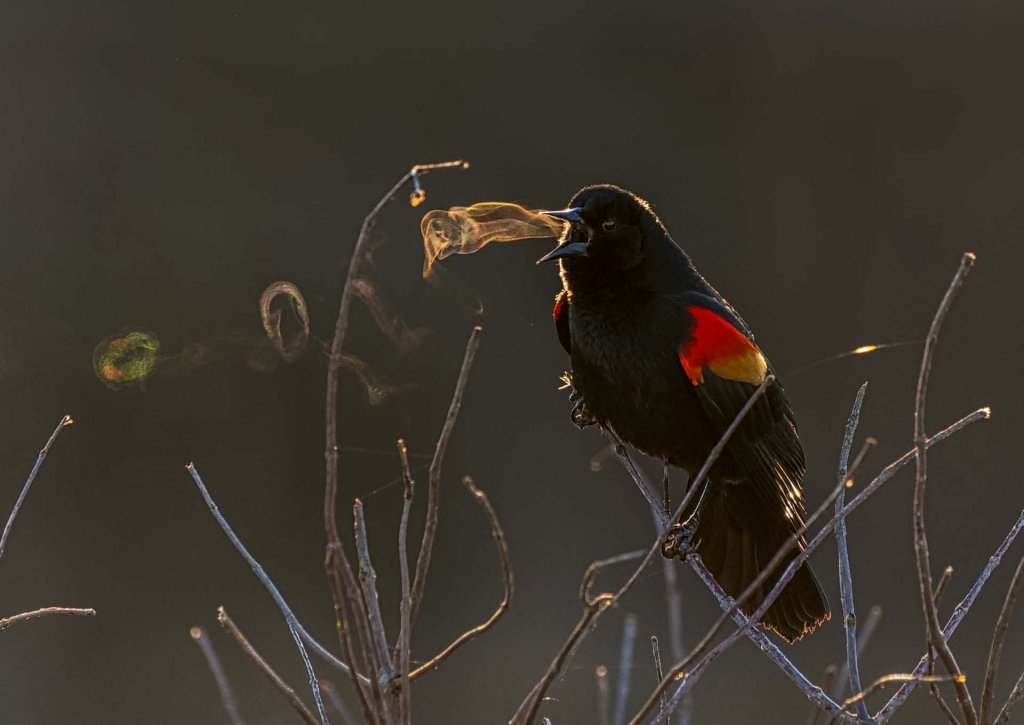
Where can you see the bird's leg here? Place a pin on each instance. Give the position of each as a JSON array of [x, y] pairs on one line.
[[580, 415], [679, 542]]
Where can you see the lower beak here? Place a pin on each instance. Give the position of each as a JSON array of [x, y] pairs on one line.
[[573, 249]]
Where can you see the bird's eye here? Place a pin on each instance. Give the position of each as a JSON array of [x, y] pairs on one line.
[[608, 224]]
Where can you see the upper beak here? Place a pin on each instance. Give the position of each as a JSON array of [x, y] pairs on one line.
[[569, 215], [571, 249]]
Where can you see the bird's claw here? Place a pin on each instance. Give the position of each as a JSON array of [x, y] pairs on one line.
[[680, 540], [580, 415]]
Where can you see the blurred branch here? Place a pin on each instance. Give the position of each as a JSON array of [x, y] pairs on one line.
[[1011, 702], [434, 477], [227, 695], [625, 669], [296, 702], [334, 699], [64, 422], [837, 689], [935, 637], [506, 578], [659, 672], [293, 623], [44, 612], [603, 696]]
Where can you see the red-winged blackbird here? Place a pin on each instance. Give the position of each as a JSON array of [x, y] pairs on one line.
[[660, 357]]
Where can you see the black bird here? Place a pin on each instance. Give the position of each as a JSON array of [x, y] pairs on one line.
[[659, 356]]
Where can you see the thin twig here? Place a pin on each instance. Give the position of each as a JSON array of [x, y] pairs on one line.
[[293, 624], [955, 619], [64, 422], [227, 695], [845, 574], [658, 671], [434, 477], [404, 647], [508, 584], [828, 684], [592, 607], [995, 651], [931, 615], [368, 583], [1011, 702], [44, 612], [275, 679], [940, 587], [625, 669], [364, 688], [884, 680], [603, 696]]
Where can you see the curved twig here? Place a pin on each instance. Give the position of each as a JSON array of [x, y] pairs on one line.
[[998, 637], [506, 578], [45, 612]]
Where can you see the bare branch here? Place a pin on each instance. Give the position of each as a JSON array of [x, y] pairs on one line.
[[44, 612], [625, 669], [1011, 702], [335, 701], [658, 671], [368, 583], [940, 587], [293, 623], [931, 615], [845, 574], [404, 646], [64, 422], [296, 702], [364, 688], [506, 578], [828, 684], [434, 478], [884, 680], [995, 651], [954, 620], [227, 695]]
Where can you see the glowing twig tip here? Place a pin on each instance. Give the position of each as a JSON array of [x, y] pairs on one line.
[[601, 671], [68, 420], [190, 466], [986, 412], [864, 349], [196, 633]]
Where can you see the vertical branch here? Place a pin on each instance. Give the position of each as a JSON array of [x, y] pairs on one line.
[[434, 477], [837, 690], [625, 669], [995, 651], [368, 582], [603, 695], [227, 695], [845, 574], [935, 637], [64, 422], [659, 672], [404, 647]]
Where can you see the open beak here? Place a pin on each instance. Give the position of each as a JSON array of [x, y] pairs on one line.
[[566, 249]]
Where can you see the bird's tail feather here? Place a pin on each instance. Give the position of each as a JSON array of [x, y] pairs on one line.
[[736, 540]]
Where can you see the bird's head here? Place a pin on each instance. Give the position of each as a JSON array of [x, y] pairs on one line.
[[606, 228]]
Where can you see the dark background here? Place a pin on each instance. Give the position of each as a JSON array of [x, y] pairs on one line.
[[824, 163]]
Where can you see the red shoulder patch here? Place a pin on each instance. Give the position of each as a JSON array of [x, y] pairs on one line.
[[559, 307], [717, 345]]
